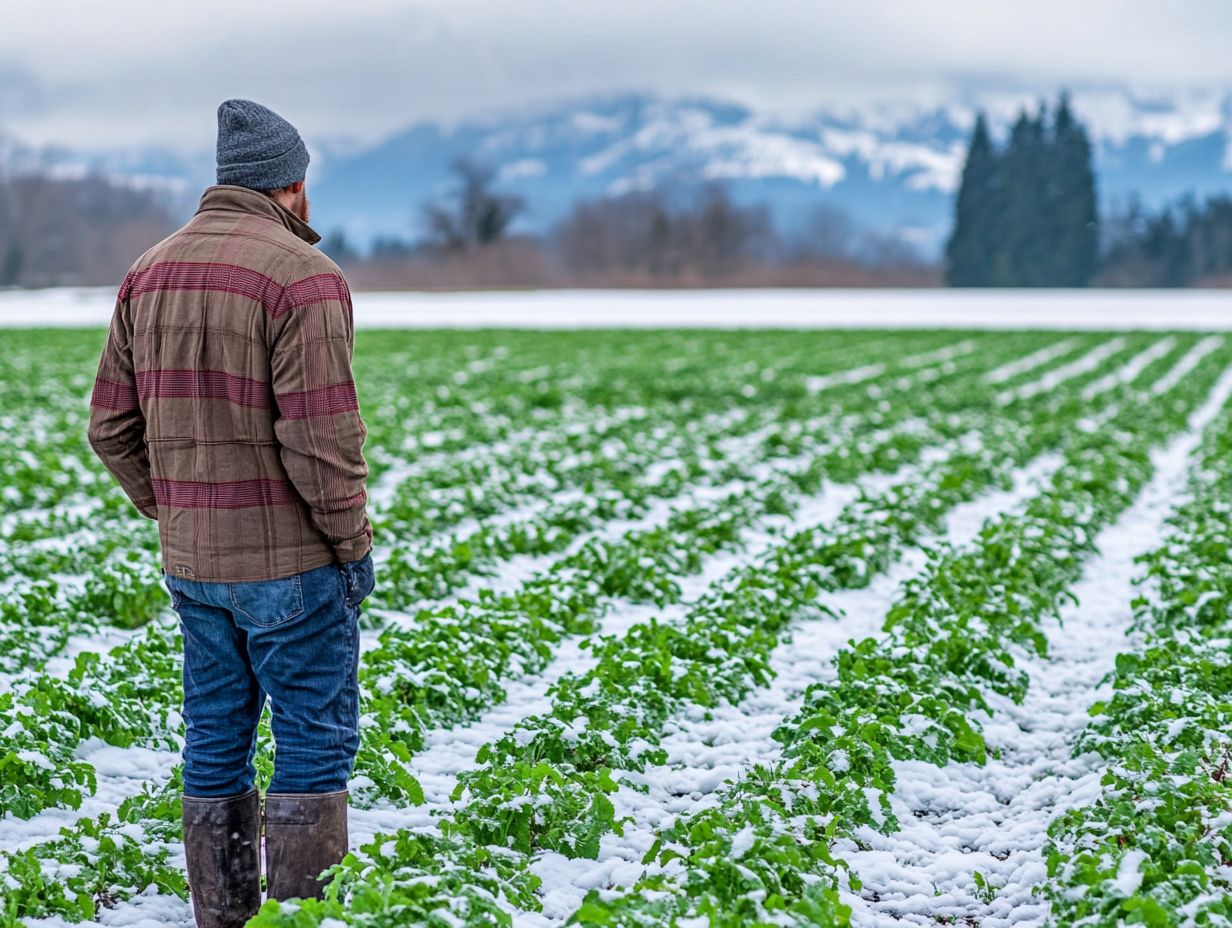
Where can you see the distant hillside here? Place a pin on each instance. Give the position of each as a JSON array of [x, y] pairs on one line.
[[893, 169]]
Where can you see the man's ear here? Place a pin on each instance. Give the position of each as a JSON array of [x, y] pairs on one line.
[[295, 187]]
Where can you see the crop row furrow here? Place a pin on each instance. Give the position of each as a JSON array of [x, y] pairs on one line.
[[1155, 845], [525, 797], [765, 852], [439, 567]]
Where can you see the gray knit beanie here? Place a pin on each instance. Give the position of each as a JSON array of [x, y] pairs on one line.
[[257, 148]]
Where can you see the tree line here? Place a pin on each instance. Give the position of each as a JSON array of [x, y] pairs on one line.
[[1185, 244], [1026, 215], [680, 237], [86, 230], [57, 231]]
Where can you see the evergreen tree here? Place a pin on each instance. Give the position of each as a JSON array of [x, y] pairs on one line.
[[971, 250], [1072, 194], [1025, 259], [1026, 216], [10, 268]]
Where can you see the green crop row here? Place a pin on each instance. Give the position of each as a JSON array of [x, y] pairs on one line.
[[762, 855], [449, 663], [96, 861], [432, 675], [618, 453], [546, 786], [835, 444], [127, 696], [610, 717], [1155, 847]]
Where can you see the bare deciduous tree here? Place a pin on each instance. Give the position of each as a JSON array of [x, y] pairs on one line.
[[75, 230], [477, 215], [645, 234]]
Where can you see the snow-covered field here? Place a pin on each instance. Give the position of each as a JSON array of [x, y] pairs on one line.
[[995, 309], [691, 628]]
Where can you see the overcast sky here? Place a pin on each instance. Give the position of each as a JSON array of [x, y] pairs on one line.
[[134, 71]]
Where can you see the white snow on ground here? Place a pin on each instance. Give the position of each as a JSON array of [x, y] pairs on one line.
[[424, 454], [944, 353], [59, 665], [964, 818], [450, 751], [1088, 362], [568, 309], [1036, 359], [1187, 363], [938, 357], [519, 568], [100, 642], [1137, 364], [855, 375], [703, 754], [701, 757], [147, 910], [1029, 362], [77, 505], [121, 773]]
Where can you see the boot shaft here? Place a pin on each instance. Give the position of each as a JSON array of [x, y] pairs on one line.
[[305, 833], [222, 853]]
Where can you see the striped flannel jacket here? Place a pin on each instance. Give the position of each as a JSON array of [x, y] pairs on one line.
[[224, 403]]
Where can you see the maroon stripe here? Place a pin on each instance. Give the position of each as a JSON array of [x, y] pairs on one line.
[[207, 276], [315, 289], [232, 494], [349, 502], [111, 394], [216, 277], [323, 401], [202, 384]]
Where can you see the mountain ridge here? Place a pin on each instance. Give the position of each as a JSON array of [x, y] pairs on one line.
[[892, 167]]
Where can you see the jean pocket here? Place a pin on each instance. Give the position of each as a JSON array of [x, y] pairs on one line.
[[267, 603], [360, 579]]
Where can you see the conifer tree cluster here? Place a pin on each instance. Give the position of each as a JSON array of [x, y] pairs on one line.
[[1182, 245], [1026, 214]]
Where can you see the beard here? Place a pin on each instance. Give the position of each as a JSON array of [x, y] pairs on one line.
[[301, 205]]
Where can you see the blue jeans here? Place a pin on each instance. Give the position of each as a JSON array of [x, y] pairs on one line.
[[296, 640]]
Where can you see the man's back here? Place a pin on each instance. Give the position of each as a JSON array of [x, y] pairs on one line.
[[228, 364], [224, 406]]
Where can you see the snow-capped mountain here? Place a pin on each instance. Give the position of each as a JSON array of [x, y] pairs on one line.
[[898, 178], [892, 168]]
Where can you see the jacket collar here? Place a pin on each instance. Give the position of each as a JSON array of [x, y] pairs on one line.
[[244, 200]]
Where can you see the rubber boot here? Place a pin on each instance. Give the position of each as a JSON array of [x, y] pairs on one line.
[[222, 848], [305, 833]]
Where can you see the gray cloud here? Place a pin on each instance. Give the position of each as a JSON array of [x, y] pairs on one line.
[[135, 71]]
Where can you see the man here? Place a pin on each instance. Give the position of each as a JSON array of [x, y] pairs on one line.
[[225, 407]]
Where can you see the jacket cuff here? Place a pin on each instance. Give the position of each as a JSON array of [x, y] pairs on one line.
[[352, 549]]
